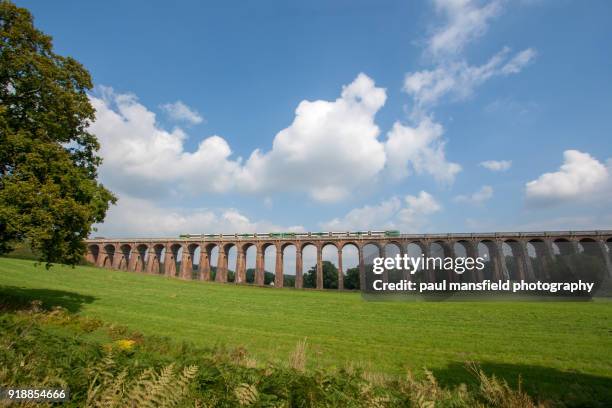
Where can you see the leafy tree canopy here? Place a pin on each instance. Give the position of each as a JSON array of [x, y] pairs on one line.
[[351, 281], [49, 194], [330, 276]]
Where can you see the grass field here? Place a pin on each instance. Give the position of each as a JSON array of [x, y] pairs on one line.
[[556, 347]]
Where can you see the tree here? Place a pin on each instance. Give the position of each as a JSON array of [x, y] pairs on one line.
[[49, 194], [250, 276], [289, 281], [330, 276], [351, 281]]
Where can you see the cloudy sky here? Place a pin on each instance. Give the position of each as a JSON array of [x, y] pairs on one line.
[[432, 116]]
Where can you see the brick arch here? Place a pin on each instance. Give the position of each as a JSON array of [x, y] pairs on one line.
[[397, 243], [332, 243], [380, 245], [446, 246], [516, 262], [354, 243], [125, 251], [498, 269], [306, 243], [139, 258], [424, 246], [211, 245], [266, 245], [93, 251], [288, 244], [171, 259], [108, 256], [229, 245], [155, 258], [244, 246], [565, 246], [597, 250]]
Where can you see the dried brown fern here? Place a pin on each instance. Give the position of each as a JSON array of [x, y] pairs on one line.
[[497, 392], [246, 394], [297, 359], [151, 389]]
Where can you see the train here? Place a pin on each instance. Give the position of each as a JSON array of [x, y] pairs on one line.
[[289, 235]]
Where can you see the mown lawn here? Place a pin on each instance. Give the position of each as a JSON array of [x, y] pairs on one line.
[[557, 348]]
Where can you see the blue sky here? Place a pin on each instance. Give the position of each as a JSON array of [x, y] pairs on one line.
[[432, 90]]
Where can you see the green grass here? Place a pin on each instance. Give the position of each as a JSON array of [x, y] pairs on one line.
[[556, 347]]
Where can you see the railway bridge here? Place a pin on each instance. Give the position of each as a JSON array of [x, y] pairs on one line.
[[510, 255]]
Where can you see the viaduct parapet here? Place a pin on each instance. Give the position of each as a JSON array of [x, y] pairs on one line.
[[512, 255]]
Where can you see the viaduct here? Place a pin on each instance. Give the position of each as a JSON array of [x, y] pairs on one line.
[[529, 250]]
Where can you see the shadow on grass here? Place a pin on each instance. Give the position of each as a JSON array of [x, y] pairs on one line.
[[573, 388], [13, 298]]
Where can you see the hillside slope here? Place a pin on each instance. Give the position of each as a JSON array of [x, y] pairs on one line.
[[554, 343]]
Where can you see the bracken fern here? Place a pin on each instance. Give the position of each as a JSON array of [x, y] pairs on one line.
[[166, 388]]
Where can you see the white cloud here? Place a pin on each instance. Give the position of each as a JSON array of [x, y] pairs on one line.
[[465, 20], [374, 217], [420, 149], [137, 217], [496, 165], [478, 197], [181, 112], [581, 177], [519, 61], [329, 149], [458, 79], [416, 208], [408, 215], [142, 158]]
